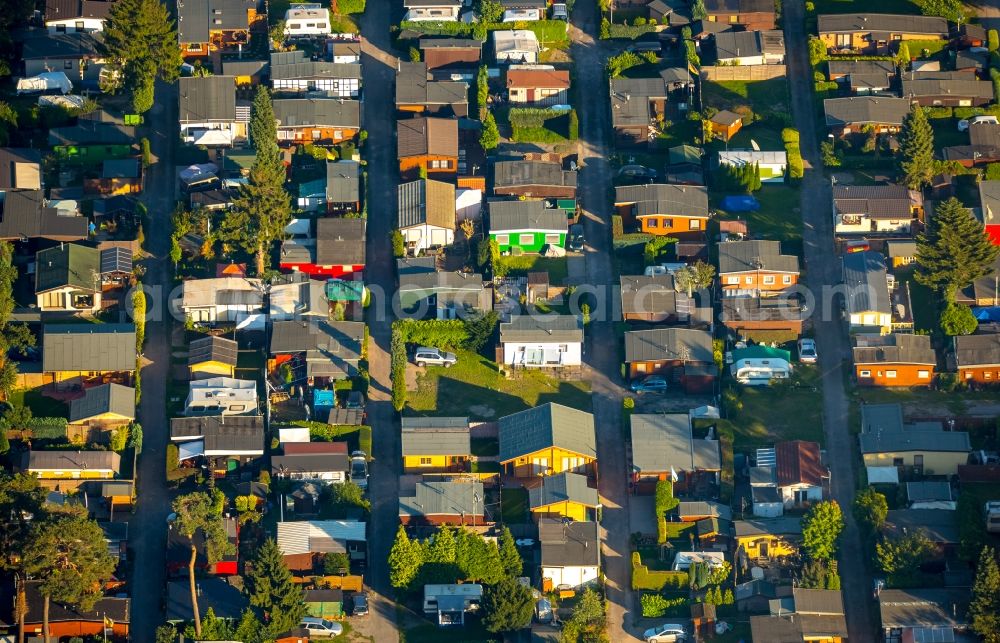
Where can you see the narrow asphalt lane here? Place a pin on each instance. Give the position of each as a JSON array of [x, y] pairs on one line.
[[379, 67], [602, 357], [148, 527], [823, 269]]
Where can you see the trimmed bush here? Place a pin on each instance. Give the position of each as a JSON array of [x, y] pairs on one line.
[[655, 605], [938, 112], [397, 368], [796, 168], [617, 226]]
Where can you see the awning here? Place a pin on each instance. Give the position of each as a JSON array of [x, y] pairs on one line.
[[883, 475], [188, 450], [211, 137]]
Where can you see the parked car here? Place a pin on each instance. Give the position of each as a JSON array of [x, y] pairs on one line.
[[637, 174], [359, 469], [425, 356], [666, 633], [360, 604], [963, 125], [559, 12], [321, 627], [650, 384], [576, 237], [807, 351]]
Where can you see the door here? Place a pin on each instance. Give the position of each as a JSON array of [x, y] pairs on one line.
[[763, 549], [540, 466]]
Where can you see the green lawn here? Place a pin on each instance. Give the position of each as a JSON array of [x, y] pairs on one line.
[[854, 6], [768, 138], [40, 405], [971, 521], [514, 505], [924, 305], [761, 96], [946, 133], [779, 216], [523, 264], [475, 388], [763, 415], [957, 402]]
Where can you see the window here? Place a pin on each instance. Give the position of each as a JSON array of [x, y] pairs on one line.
[[652, 223], [864, 374], [733, 19], [552, 239], [503, 239], [748, 279], [733, 280], [769, 280], [713, 18], [563, 348], [60, 28], [987, 375], [67, 64], [843, 40], [316, 134], [526, 239], [786, 279], [890, 375], [897, 462], [968, 375], [640, 367], [918, 460], [425, 462], [668, 223], [923, 374], [694, 224], [79, 25]]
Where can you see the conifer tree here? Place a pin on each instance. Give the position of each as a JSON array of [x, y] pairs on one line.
[[405, 559], [512, 564], [271, 589], [984, 610], [916, 149], [955, 251]]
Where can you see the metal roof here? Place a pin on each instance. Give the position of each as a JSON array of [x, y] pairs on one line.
[[563, 487], [22, 214], [897, 349], [207, 98], [309, 112], [928, 490], [444, 498], [883, 431], [106, 398], [343, 182], [510, 216], [68, 265], [427, 137], [649, 294], [542, 329], [663, 442], [340, 241], [546, 426], [196, 19], [865, 109], [73, 460], [924, 608], [213, 349], [426, 201], [222, 434], [799, 462], [758, 254], [865, 279], [685, 344], [116, 259], [292, 65], [436, 436], [512, 174], [569, 544], [339, 341], [318, 536], [977, 350], [667, 199], [88, 347], [413, 87], [20, 168], [883, 23]]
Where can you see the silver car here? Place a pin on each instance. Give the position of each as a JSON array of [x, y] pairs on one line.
[[425, 356], [359, 469]]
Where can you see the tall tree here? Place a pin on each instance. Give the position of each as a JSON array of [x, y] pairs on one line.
[[588, 620], [263, 128], [272, 590], [901, 557], [67, 555], [698, 275], [984, 610], [698, 10], [20, 498], [957, 319], [955, 251], [507, 606], [509, 556], [489, 11], [405, 559], [199, 513], [12, 336], [953, 10], [870, 510], [821, 527], [916, 149], [140, 45]]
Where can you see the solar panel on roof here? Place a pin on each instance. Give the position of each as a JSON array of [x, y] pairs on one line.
[[116, 260]]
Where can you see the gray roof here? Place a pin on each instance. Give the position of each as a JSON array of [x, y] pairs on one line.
[[748, 256], [305, 463], [106, 398], [569, 544], [414, 88], [663, 442], [901, 248], [197, 18], [73, 460], [244, 67], [883, 23], [849, 67], [525, 215], [924, 608], [426, 201], [510, 174], [94, 132], [440, 282], [450, 43], [436, 436], [743, 44], [977, 350], [865, 109], [865, 279], [898, 349], [293, 65], [207, 98], [928, 490], [343, 182], [786, 525], [221, 433], [563, 487], [704, 508], [765, 494], [685, 344], [214, 348], [88, 347], [423, 136], [942, 87], [339, 341], [545, 426], [42, 45], [444, 498], [883, 431], [20, 168], [649, 294], [940, 525], [22, 214], [989, 198], [630, 100], [306, 112], [660, 198], [542, 328], [340, 241]]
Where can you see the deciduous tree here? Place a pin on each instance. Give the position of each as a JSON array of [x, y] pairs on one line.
[[957, 319], [916, 149], [489, 11], [900, 557], [696, 276], [405, 559], [698, 10], [955, 251], [984, 610], [821, 527], [870, 510], [200, 513], [508, 606], [272, 590], [22, 500], [953, 10]]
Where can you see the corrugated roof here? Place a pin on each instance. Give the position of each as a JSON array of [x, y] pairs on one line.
[[563, 487], [897, 349], [865, 109], [668, 199], [340, 241], [20, 169], [444, 498], [213, 349], [207, 98], [222, 434], [436, 436], [196, 19], [68, 265], [664, 442], [940, 525], [916, 608], [88, 347], [510, 216], [955, 88], [648, 294], [569, 544], [542, 328], [73, 460], [883, 23], [318, 536], [758, 254], [537, 78], [514, 174], [309, 112], [216, 291], [685, 344], [426, 201], [546, 426], [106, 398], [977, 350], [786, 525], [294, 65], [427, 137], [799, 462], [865, 279], [928, 491]]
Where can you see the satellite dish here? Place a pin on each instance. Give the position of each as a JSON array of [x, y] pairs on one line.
[[753, 144]]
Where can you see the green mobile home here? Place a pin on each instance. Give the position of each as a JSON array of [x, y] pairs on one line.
[[526, 226]]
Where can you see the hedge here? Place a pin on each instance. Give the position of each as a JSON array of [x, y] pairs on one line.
[[46, 428], [548, 31], [627, 32], [440, 333], [533, 116], [790, 137], [643, 578], [397, 367]]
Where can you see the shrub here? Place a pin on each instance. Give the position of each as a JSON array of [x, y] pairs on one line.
[[655, 605], [796, 168], [398, 244], [46, 428], [346, 7], [628, 403], [147, 156], [397, 357], [617, 226], [574, 125], [643, 578], [173, 458], [938, 112]]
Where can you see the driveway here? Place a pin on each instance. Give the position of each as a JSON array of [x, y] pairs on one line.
[[148, 527], [831, 340]]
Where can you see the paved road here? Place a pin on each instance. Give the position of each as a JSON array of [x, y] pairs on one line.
[[147, 529], [379, 66], [823, 269], [602, 357]]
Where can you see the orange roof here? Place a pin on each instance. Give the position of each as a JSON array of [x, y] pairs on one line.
[[542, 78], [472, 182], [231, 270]]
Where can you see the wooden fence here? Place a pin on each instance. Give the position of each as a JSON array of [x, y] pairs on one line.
[[742, 72]]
